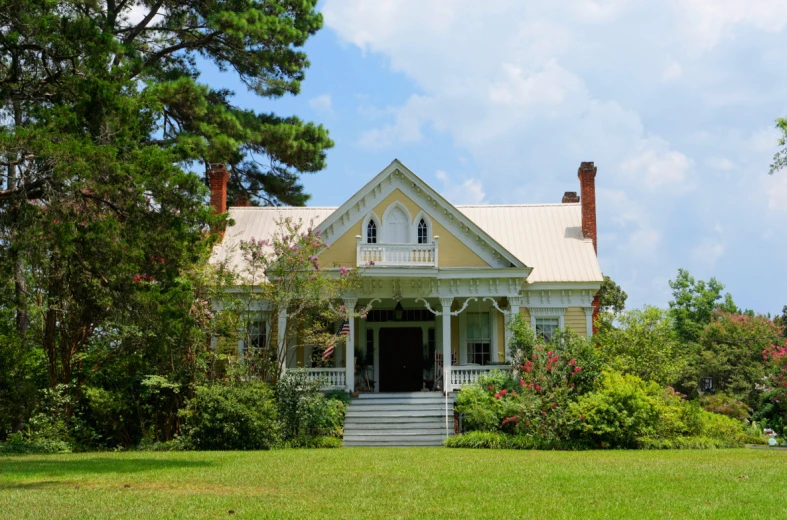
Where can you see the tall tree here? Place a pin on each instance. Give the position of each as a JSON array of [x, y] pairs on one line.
[[109, 116], [611, 297], [693, 304]]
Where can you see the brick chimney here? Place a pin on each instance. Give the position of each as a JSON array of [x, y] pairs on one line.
[[218, 176], [570, 197], [587, 185]]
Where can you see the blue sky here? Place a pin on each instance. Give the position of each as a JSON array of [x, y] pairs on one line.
[[499, 102]]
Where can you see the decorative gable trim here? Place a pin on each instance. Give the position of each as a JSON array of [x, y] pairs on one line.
[[397, 176]]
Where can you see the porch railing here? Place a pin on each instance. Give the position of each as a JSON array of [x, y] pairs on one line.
[[468, 375], [330, 378], [402, 255]]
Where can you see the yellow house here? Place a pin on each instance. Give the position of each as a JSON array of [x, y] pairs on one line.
[[440, 277]]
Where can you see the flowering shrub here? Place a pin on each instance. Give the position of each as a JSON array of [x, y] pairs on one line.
[[774, 406], [284, 274], [533, 401]]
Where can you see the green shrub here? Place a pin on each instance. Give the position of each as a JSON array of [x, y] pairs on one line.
[[626, 409], [726, 405], [623, 409], [19, 444], [314, 442], [479, 409], [685, 443], [305, 411], [238, 416], [505, 441]]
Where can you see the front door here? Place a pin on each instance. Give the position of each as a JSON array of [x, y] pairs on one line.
[[401, 359]]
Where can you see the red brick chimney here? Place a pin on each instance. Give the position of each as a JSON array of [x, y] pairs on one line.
[[570, 197], [218, 176], [587, 185]]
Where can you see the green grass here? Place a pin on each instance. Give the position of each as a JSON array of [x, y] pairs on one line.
[[397, 483]]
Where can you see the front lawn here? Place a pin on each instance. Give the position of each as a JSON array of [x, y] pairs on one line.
[[397, 483]]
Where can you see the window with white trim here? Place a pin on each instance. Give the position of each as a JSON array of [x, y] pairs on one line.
[[423, 232], [478, 338], [371, 232], [257, 338], [545, 327]]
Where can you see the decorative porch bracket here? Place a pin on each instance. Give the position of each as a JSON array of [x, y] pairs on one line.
[[451, 313]]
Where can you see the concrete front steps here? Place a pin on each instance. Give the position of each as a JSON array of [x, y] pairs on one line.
[[398, 419]]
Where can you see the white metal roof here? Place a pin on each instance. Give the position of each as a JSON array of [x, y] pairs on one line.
[[546, 237]]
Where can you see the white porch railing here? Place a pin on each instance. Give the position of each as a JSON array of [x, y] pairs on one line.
[[468, 375], [330, 378], [401, 255]]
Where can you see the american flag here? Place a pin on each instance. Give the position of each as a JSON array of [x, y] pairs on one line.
[[344, 330]]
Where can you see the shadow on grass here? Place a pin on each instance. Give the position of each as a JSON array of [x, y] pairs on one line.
[[101, 464]]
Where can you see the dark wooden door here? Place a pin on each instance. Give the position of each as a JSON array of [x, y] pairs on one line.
[[401, 359]]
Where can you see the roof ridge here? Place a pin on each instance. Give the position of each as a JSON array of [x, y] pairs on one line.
[[280, 208], [517, 205]]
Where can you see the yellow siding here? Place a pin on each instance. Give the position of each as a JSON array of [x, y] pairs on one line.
[[525, 313], [342, 251], [452, 251], [575, 319], [501, 336]]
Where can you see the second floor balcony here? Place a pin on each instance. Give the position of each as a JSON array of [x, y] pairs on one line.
[[397, 255]]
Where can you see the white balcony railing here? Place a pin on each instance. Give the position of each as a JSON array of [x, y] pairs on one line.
[[468, 374], [329, 378], [399, 255]]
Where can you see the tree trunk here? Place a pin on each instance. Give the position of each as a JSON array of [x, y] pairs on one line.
[[20, 285]]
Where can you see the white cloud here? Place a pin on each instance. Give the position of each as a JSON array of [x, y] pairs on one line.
[[777, 191], [706, 22], [720, 163], [708, 252], [468, 191], [672, 71], [658, 166], [322, 104], [765, 139], [405, 129]]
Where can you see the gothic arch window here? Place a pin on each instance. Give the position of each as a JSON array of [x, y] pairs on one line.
[[423, 232], [371, 232], [422, 229]]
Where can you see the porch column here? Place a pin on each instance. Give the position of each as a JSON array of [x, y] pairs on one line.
[[281, 333], [589, 321], [349, 350], [513, 311], [446, 314]]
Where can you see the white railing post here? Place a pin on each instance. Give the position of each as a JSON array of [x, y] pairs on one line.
[[358, 257], [434, 254]]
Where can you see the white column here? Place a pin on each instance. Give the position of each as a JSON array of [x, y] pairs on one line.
[[446, 314], [241, 343], [282, 339], [513, 310], [349, 350], [589, 321]]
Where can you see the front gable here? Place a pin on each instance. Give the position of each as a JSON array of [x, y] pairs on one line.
[[396, 194]]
